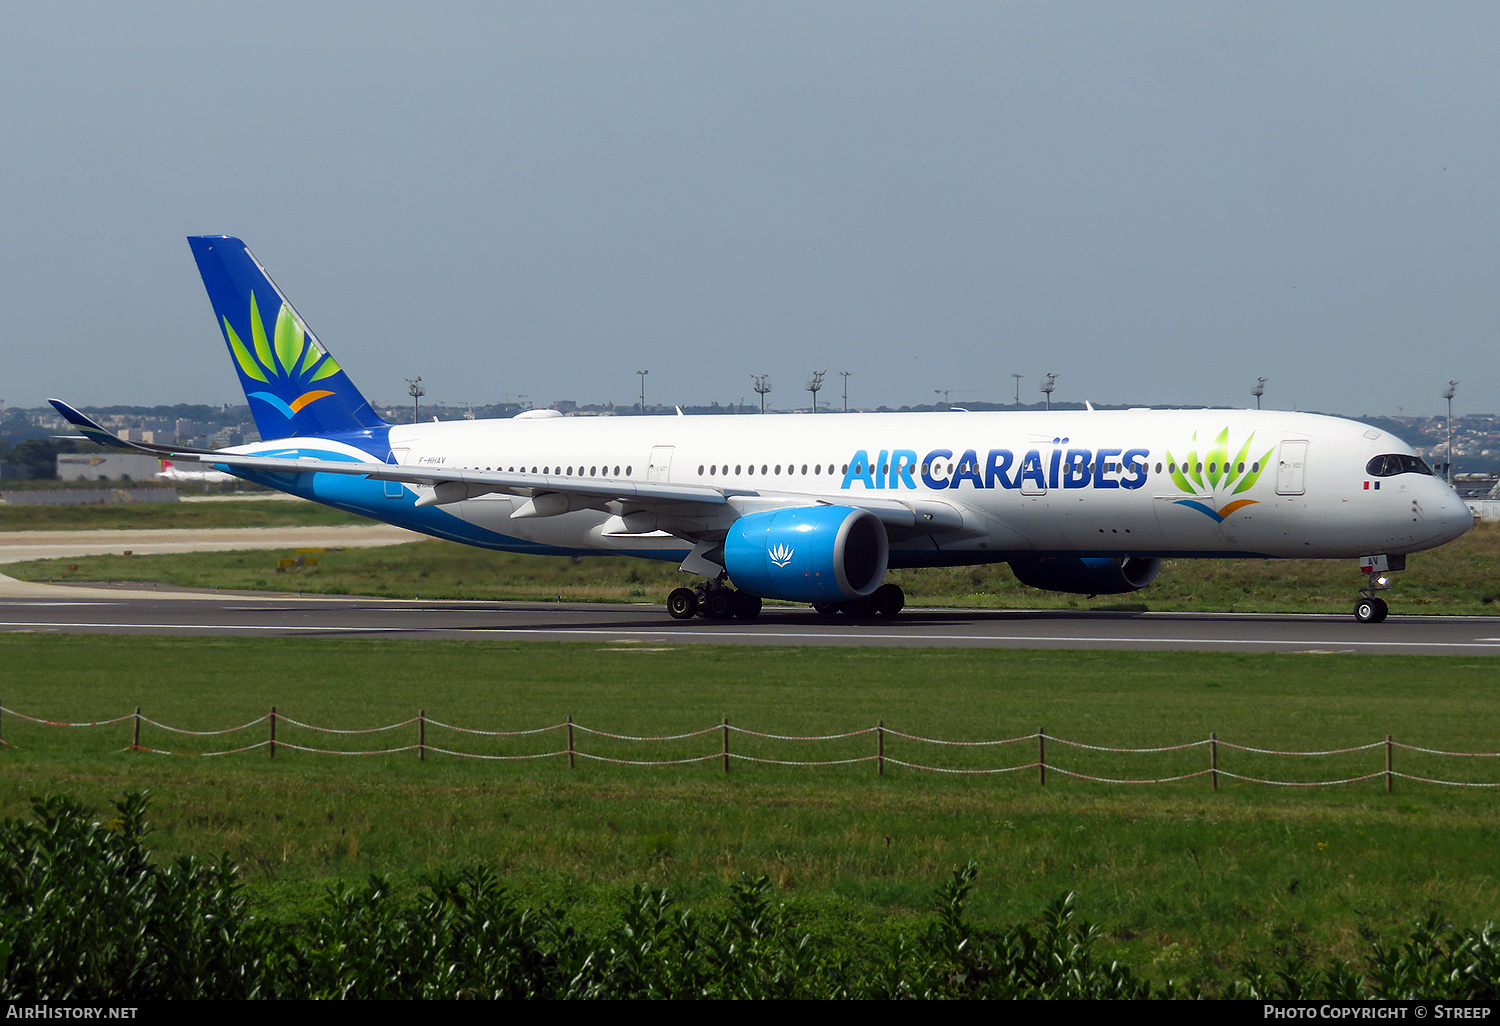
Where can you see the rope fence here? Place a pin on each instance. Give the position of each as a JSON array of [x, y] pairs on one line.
[[727, 751]]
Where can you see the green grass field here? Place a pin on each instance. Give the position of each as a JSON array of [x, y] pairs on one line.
[[1457, 579], [1186, 881]]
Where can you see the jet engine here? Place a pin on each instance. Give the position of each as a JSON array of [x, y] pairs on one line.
[[1100, 576], [808, 553]]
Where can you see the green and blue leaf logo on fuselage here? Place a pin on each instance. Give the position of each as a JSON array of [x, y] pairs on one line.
[[1213, 477]]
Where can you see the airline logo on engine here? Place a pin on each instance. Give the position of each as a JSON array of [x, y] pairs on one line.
[[781, 555], [1039, 469]]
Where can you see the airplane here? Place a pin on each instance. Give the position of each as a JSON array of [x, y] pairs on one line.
[[817, 509], [197, 475]]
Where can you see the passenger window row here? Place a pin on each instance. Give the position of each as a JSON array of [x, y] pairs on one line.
[[766, 469]]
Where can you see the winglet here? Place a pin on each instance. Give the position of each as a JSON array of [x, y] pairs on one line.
[[92, 430], [100, 435]]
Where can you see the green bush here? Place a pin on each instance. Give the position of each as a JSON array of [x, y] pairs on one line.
[[85, 915]]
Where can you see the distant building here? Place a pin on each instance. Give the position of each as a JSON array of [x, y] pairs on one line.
[[151, 436], [106, 467]]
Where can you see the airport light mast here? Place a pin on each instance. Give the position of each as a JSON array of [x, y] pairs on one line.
[[1448, 395], [643, 374], [416, 391], [846, 389], [1018, 378], [1259, 390], [813, 385], [762, 386], [1048, 386]]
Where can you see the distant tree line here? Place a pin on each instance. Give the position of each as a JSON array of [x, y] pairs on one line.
[[37, 455]]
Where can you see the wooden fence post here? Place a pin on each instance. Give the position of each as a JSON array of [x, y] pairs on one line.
[[273, 732], [1041, 755], [570, 740], [421, 735], [880, 748], [726, 744], [135, 741], [1390, 777], [1213, 758]]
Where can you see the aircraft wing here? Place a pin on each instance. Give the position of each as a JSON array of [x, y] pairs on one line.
[[99, 435], [549, 495], [450, 484]]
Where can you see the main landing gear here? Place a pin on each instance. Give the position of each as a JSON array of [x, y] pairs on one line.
[[714, 600], [886, 600], [1370, 608]]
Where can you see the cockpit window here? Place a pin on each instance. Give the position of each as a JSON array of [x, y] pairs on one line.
[[1395, 463]]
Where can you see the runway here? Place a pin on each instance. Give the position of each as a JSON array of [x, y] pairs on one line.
[[94, 610], [101, 609]]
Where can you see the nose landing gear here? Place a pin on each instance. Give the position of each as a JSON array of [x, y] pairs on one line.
[[1370, 608]]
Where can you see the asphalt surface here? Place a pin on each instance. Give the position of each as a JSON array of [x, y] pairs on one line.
[[83, 609], [94, 610]]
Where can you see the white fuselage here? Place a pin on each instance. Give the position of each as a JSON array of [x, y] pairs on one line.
[[1005, 485]]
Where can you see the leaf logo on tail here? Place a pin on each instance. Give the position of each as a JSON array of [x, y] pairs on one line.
[[289, 360], [1215, 473]]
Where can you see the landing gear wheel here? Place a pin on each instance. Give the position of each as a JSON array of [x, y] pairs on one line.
[[826, 608], [719, 604], [1376, 571], [889, 599], [682, 604], [746, 606]]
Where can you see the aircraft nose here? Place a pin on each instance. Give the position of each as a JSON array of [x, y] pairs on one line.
[[1453, 514]]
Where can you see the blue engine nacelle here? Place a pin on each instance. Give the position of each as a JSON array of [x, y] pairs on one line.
[[808, 554], [1086, 576]]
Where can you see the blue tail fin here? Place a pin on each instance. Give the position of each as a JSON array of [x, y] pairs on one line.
[[294, 387]]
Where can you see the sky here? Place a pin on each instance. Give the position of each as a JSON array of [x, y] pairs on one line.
[[1158, 202]]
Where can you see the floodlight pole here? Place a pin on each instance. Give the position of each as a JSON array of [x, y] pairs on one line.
[[643, 374], [762, 385], [1018, 378], [1048, 386], [846, 389], [814, 385], [416, 391], [1259, 390], [1448, 395]]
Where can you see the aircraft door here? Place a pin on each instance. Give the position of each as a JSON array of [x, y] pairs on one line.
[[1291, 466], [395, 489], [659, 468]]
